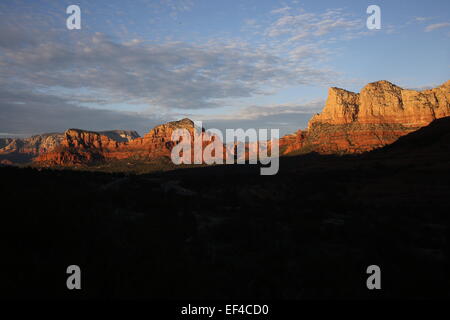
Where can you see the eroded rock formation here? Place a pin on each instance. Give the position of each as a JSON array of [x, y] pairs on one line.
[[80, 147], [378, 115], [349, 123]]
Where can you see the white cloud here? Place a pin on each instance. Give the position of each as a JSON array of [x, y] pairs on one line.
[[311, 25], [435, 26], [170, 75], [422, 19], [281, 10], [49, 79]]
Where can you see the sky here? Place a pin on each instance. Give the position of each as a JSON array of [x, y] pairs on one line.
[[231, 64]]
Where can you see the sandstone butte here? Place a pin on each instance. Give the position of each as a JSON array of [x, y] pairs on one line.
[[349, 123], [79, 147], [377, 116]]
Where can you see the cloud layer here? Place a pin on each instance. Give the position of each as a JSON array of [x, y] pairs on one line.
[[170, 75], [51, 80]]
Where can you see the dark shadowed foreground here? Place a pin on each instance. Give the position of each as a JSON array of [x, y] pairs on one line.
[[227, 232]]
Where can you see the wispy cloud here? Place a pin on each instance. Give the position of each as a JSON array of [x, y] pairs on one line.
[[281, 10], [422, 19], [178, 6], [169, 75], [435, 26], [64, 75], [72, 73], [307, 24]]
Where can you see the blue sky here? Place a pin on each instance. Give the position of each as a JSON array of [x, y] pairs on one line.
[[264, 64]]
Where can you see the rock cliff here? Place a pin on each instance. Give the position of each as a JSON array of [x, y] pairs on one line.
[[86, 147], [18, 150], [377, 116]]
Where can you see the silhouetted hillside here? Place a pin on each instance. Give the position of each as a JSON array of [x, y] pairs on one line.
[[433, 138], [226, 232]]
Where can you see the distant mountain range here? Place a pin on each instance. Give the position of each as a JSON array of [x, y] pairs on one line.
[[349, 123]]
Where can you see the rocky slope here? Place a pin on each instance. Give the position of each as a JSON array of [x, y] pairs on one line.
[[79, 147], [292, 142], [48, 145], [5, 141], [19, 150], [377, 116], [33, 145], [157, 142], [433, 139]]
